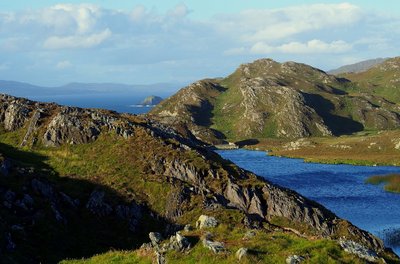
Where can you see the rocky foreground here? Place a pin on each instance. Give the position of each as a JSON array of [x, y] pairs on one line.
[[78, 182]]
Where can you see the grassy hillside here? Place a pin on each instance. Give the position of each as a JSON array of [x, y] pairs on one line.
[[81, 182], [382, 80]]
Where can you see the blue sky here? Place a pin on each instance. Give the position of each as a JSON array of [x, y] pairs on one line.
[[52, 42]]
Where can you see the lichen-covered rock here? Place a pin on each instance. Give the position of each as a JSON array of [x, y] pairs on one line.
[[205, 221]]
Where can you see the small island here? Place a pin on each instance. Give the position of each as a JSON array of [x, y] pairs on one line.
[[391, 181], [151, 100]]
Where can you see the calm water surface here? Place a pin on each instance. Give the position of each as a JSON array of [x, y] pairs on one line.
[[120, 103], [340, 188]]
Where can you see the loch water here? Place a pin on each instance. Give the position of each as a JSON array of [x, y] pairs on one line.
[[340, 188]]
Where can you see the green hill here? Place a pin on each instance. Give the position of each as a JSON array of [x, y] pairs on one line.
[[267, 99]]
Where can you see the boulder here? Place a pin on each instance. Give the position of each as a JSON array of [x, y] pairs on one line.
[[205, 221], [215, 246], [178, 243]]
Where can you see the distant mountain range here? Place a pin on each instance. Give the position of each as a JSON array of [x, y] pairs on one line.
[[357, 67], [139, 90]]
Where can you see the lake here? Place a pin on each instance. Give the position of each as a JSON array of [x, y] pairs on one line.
[[340, 188]]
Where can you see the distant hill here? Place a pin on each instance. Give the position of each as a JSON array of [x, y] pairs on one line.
[[381, 80], [357, 67], [25, 89], [269, 99]]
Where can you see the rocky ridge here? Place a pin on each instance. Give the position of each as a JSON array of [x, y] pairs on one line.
[[192, 173]]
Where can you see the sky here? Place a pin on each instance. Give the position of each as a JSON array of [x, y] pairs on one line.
[[52, 43]]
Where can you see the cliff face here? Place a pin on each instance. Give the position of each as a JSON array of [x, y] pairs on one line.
[[270, 99], [85, 170]]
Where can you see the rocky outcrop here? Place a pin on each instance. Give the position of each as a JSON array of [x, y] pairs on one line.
[[359, 250]]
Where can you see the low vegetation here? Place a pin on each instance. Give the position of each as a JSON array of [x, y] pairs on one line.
[[391, 182], [365, 148]]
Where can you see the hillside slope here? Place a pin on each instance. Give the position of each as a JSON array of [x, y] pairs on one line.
[[270, 99], [381, 80], [76, 182]]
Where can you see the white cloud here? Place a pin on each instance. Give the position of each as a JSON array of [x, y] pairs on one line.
[[180, 10], [84, 16], [96, 40], [276, 24], [138, 13], [62, 65], [313, 46], [77, 41]]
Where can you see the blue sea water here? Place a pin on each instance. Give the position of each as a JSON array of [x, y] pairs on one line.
[[123, 103], [340, 188]]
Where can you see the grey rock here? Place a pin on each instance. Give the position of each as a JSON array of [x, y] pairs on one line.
[[25, 203], [178, 242], [214, 246], [241, 253], [97, 205], [294, 259], [358, 249], [10, 245], [160, 258], [15, 114], [74, 203], [155, 238], [205, 221], [5, 166], [43, 188], [9, 198], [57, 213], [132, 214]]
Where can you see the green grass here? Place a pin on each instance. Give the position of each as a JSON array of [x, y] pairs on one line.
[[112, 257], [391, 182], [265, 247]]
